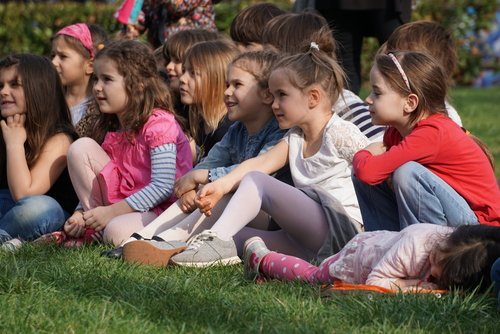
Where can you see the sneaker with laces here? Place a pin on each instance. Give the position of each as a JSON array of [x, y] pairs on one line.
[[152, 252], [12, 244], [206, 249], [253, 252]]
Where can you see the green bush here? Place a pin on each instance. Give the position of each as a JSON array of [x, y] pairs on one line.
[[27, 27]]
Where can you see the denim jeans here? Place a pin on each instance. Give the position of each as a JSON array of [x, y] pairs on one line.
[[495, 278], [30, 217], [417, 196]]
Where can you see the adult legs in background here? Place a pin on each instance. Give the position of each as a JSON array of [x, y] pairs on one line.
[[350, 27], [30, 217]]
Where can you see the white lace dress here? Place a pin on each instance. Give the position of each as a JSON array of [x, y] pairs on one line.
[[331, 166]]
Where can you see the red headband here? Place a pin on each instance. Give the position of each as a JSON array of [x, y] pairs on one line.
[[81, 32]]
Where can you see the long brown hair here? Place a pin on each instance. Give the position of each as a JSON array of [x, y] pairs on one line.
[[426, 79], [47, 112], [144, 87]]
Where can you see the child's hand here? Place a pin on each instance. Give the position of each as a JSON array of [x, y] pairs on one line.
[[184, 184], [187, 201], [208, 196], [376, 148], [190, 181], [13, 130], [98, 217], [75, 225]]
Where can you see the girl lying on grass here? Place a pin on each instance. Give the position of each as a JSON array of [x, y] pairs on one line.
[[423, 255]]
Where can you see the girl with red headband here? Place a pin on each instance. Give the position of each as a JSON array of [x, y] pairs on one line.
[[73, 51]]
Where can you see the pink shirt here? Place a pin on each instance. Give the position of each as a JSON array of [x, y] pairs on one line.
[[440, 145], [129, 169]]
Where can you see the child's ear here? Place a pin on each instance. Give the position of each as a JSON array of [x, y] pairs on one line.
[[89, 67], [266, 96], [411, 103], [314, 97]]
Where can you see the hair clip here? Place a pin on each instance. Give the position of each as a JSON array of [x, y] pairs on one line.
[[314, 45]]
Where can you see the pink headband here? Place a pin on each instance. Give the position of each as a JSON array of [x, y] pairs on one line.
[[81, 32], [400, 69]]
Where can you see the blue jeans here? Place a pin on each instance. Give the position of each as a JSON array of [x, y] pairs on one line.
[[495, 278], [30, 217], [417, 196]]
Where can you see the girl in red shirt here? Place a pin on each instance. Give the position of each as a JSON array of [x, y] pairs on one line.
[[427, 169]]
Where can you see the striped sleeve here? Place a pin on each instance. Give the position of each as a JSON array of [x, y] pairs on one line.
[[163, 168]]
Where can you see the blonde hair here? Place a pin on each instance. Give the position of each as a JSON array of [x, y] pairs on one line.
[[316, 66], [210, 59]]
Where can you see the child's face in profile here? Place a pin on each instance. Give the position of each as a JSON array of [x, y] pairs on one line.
[[12, 100], [174, 71], [384, 103], [71, 66], [109, 87], [290, 105], [242, 96], [187, 87]]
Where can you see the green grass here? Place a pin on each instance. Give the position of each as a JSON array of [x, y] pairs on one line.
[[480, 113], [46, 289]]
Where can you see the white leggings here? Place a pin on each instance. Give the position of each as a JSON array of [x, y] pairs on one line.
[[174, 224], [86, 159], [302, 220]]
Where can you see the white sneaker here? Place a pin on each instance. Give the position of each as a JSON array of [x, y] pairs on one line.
[[206, 249]]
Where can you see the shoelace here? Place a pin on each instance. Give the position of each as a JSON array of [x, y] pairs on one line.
[[200, 239]]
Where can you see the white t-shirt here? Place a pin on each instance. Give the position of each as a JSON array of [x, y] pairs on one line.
[[331, 166]]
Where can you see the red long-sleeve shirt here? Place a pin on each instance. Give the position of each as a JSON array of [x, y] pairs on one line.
[[441, 146]]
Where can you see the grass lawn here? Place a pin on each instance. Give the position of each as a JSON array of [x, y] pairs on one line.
[[46, 289]]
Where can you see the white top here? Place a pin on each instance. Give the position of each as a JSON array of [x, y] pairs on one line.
[[331, 166], [79, 110], [453, 114]]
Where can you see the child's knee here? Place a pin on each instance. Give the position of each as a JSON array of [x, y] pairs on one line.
[[79, 147]]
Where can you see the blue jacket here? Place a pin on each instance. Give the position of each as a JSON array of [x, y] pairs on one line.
[[237, 146]]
